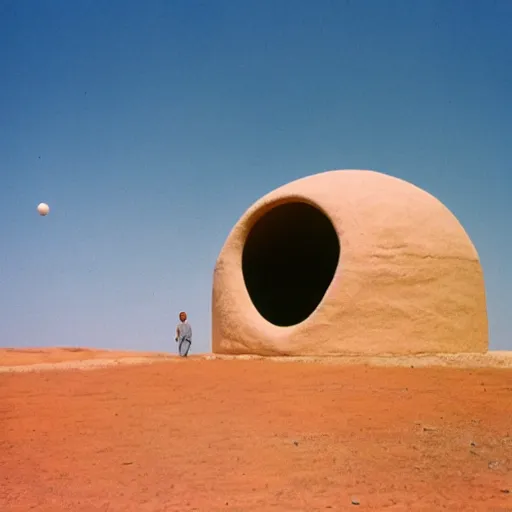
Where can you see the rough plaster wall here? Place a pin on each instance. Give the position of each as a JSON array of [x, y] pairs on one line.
[[409, 279]]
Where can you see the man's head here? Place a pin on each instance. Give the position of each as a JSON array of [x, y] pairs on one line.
[[183, 316]]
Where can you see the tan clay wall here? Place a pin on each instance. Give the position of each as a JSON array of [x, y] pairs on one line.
[[409, 279]]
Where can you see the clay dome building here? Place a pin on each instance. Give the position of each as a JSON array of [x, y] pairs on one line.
[[348, 262]]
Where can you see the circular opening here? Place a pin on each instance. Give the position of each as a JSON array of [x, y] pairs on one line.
[[288, 262]]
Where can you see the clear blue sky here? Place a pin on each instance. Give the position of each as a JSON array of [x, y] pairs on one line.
[[150, 126]]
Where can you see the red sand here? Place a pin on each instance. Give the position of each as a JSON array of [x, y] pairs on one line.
[[256, 436], [24, 357]]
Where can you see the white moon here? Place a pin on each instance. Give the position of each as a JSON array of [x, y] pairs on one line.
[[43, 209]]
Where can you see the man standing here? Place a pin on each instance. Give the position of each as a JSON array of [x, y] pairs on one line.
[[183, 335]]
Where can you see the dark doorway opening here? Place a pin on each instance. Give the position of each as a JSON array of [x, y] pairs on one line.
[[288, 262]]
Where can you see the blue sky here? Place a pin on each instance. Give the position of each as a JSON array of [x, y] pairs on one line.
[[149, 127]]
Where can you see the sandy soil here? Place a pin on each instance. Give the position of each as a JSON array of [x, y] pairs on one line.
[[29, 356], [253, 435]]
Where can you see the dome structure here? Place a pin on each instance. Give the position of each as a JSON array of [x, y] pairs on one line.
[[346, 263]]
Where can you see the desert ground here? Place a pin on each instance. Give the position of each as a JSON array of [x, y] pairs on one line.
[[151, 432]]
